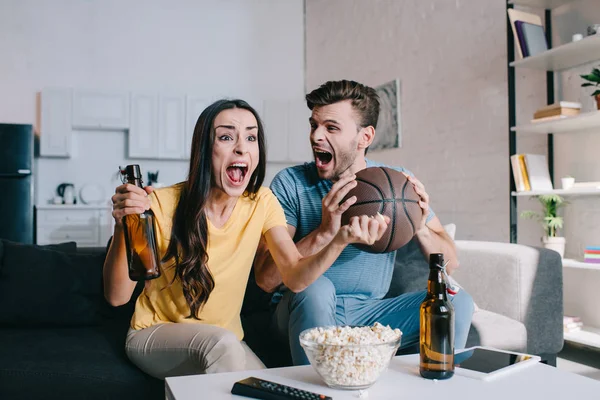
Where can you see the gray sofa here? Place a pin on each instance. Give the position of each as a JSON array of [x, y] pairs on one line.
[[517, 291]]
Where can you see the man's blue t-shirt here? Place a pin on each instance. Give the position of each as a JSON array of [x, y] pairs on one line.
[[355, 273]]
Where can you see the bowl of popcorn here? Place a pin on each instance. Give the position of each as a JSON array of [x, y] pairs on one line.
[[350, 357]]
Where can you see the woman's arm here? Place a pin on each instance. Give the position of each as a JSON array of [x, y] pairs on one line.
[[118, 288], [299, 272]]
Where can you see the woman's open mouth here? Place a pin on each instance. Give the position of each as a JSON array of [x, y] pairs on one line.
[[236, 172], [322, 158]]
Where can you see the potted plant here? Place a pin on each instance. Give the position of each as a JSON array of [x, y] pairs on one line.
[[550, 220], [593, 80]]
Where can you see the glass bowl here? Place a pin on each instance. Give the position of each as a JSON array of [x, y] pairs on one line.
[[349, 366]]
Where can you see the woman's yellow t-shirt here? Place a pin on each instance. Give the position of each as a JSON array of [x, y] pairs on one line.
[[231, 250]]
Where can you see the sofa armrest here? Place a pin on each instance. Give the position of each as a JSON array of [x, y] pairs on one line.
[[520, 282]]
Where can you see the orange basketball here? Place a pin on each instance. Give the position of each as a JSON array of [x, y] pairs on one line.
[[387, 191]]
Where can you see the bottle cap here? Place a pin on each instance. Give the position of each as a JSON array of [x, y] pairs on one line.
[[436, 260], [133, 171]]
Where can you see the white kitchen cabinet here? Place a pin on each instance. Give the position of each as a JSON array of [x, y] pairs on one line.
[[299, 148], [287, 131], [55, 129], [88, 226], [93, 109], [171, 127], [194, 107], [143, 131], [276, 116]]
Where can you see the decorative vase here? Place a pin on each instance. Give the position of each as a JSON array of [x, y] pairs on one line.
[[555, 243], [598, 101], [567, 182]]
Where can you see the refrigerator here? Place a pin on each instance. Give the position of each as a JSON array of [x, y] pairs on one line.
[[16, 183]]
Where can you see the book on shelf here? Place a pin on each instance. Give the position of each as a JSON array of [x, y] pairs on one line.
[[591, 254], [561, 104], [558, 110], [538, 173], [586, 185], [566, 112], [551, 118], [530, 172], [519, 169]]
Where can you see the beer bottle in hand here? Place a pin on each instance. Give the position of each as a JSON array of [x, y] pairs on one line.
[[437, 325], [140, 237]]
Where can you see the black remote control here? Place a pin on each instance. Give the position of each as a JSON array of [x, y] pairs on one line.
[[267, 390]]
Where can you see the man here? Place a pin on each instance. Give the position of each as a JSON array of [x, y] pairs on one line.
[[343, 121]]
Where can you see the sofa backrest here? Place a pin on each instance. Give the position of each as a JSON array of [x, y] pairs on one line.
[[53, 286]]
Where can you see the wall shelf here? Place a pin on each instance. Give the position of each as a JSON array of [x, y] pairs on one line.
[[587, 336], [562, 192], [563, 57], [568, 263], [540, 3], [586, 122]]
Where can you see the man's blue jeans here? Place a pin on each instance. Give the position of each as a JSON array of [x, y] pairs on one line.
[[318, 305]]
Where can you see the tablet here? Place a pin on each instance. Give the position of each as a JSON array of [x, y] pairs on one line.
[[487, 363]]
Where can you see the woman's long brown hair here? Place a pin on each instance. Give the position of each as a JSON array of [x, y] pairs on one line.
[[189, 235]]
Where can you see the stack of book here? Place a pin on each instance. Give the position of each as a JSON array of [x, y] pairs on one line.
[[572, 324], [592, 254], [559, 110], [531, 172]]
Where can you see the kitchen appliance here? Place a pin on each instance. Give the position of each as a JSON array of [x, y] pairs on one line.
[[16, 182], [67, 192]]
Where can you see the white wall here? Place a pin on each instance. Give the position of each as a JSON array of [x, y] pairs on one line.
[[451, 59], [235, 48]]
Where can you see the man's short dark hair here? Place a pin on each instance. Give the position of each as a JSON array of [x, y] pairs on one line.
[[364, 99]]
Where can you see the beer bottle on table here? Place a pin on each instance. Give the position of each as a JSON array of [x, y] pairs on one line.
[[140, 235], [437, 325]]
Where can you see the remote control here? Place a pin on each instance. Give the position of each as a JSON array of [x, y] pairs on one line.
[[267, 390]]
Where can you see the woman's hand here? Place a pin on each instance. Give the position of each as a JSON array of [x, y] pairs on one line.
[[364, 229], [130, 199]]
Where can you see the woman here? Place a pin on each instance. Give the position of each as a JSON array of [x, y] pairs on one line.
[[187, 321]]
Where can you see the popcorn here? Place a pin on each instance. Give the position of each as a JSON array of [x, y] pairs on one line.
[[350, 356]]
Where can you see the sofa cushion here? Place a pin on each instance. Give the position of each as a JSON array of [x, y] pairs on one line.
[[494, 330], [67, 363], [44, 287]]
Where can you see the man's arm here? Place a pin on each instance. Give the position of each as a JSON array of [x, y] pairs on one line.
[[430, 233], [434, 239], [266, 273]]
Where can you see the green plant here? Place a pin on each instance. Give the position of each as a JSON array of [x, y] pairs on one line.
[[549, 218], [593, 79]]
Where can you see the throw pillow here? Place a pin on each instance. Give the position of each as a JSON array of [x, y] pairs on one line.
[[411, 269], [46, 287]]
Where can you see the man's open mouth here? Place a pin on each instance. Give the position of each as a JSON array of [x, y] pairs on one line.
[[237, 172], [322, 157]]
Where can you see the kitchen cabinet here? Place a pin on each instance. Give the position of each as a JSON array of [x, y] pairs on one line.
[[171, 127], [94, 109], [143, 130], [88, 226], [55, 129], [287, 131], [157, 129], [194, 107]]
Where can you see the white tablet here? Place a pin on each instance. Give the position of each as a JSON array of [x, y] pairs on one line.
[[487, 363]]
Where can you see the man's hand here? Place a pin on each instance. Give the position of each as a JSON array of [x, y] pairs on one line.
[[364, 229], [331, 218], [424, 203]]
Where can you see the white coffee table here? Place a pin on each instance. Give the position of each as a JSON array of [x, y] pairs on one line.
[[400, 381]]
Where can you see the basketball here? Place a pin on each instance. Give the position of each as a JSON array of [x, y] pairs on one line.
[[387, 191]]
